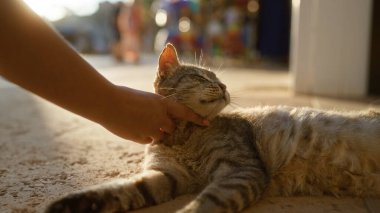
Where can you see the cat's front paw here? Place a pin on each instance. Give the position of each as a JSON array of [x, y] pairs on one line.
[[77, 203]]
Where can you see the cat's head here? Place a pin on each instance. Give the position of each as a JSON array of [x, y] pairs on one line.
[[193, 86]]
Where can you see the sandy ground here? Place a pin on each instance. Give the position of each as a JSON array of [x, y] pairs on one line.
[[47, 152]]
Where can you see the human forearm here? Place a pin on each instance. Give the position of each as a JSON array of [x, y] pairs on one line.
[[36, 58]]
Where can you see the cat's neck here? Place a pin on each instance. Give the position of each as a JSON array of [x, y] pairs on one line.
[[181, 134]]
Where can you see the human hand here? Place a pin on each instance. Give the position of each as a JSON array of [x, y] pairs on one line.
[[142, 116]]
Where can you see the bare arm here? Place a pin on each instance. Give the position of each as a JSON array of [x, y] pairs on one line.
[[35, 57]]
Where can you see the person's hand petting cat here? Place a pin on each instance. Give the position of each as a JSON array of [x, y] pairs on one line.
[[36, 58], [142, 112]]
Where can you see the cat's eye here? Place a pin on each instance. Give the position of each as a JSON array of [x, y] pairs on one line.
[[200, 78], [207, 101]]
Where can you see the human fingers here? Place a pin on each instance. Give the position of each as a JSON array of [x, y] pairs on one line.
[[167, 126], [136, 138], [157, 136], [180, 111], [144, 140]]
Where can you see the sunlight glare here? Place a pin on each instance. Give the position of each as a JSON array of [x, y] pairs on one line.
[[47, 10], [54, 10]]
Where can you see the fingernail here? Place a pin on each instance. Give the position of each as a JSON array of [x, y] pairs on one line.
[[206, 122]]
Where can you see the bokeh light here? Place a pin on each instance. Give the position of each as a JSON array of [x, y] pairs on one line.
[[184, 24], [253, 6], [161, 17]]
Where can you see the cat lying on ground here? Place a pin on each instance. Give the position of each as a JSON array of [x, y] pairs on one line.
[[243, 155]]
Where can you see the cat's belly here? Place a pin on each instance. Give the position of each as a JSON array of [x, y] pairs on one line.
[[301, 177]]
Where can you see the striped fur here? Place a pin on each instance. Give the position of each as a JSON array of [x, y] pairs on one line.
[[243, 155]]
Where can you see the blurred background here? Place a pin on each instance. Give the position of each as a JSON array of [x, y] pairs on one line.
[[329, 47], [238, 29], [323, 54]]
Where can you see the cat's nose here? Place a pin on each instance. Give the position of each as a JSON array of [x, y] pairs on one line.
[[222, 86]]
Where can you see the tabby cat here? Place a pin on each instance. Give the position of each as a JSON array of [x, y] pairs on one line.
[[242, 155]]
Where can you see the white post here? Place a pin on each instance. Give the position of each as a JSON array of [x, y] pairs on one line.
[[330, 47]]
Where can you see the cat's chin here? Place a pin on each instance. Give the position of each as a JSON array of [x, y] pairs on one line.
[[216, 110], [219, 106]]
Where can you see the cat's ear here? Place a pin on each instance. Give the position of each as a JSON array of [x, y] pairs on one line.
[[168, 61]]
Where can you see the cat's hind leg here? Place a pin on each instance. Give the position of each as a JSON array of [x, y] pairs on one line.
[[146, 189], [232, 193]]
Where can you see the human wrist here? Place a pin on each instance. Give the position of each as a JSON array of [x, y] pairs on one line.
[[104, 105]]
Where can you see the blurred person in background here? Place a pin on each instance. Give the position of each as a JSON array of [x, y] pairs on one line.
[[116, 45], [35, 57], [130, 23]]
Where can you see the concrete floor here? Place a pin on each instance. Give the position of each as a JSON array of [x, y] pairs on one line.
[[46, 152]]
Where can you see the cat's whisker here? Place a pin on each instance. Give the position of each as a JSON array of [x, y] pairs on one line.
[[232, 106], [236, 105], [235, 100], [195, 58], [238, 92], [201, 58], [206, 67], [219, 70], [235, 96]]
